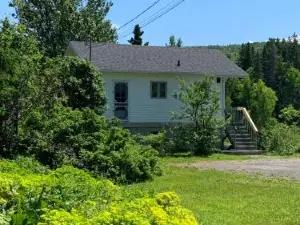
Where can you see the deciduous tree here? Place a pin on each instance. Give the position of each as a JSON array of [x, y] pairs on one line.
[[200, 106], [55, 23]]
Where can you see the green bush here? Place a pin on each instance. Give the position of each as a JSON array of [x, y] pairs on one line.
[[92, 142], [280, 139], [71, 196], [161, 142], [199, 116], [290, 116]]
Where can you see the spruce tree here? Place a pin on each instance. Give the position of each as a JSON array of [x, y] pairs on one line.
[[179, 43], [137, 36], [269, 63], [257, 68], [247, 53]]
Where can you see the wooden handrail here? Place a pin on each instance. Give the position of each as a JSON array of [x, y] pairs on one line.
[[249, 119]]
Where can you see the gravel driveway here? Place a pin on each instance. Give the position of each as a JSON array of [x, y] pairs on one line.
[[271, 167]]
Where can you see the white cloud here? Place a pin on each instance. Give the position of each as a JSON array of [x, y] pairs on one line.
[[251, 42]]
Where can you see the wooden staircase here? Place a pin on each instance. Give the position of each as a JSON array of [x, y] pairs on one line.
[[242, 132]]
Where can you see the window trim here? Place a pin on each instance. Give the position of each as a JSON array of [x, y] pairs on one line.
[[158, 89]]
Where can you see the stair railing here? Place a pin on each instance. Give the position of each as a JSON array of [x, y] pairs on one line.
[[240, 116], [244, 117]]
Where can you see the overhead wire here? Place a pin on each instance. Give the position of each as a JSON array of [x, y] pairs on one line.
[[136, 17], [163, 11], [149, 18]]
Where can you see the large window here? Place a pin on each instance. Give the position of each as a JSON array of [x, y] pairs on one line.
[[158, 89]]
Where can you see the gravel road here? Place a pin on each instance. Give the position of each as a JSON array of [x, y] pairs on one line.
[[271, 167]]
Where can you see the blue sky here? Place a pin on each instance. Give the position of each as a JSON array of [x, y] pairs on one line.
[[205, 22]]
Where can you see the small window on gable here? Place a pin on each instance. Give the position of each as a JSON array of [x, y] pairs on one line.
[[158, 89]]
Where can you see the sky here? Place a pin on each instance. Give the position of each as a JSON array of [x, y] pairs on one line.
[[206, 22]]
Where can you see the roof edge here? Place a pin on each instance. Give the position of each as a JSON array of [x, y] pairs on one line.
[[174, 73]]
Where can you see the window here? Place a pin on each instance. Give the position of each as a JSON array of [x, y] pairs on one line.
[[158, 90], [121, 100], [218, 80]]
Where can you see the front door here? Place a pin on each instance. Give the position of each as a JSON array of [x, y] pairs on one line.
[[121, 100]]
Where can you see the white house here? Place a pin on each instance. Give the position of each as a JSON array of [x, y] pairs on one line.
[[141, 81]]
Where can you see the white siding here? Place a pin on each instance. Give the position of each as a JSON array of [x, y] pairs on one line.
[[141, 107]]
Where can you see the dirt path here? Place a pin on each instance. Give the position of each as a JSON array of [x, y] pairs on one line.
[[271, 167]]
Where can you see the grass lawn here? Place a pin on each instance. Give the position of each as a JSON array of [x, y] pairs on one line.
[[219, 198], [214, 157]]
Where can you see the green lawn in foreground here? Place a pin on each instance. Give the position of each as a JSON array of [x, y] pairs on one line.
[[223, 198]]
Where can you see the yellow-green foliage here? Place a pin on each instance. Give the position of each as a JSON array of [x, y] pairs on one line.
[[164, 209], [32, 195]]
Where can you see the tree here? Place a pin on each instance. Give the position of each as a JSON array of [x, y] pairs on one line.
[[291, 88], [201, 107], [290, 116], [247, 54], [257, 72], [270, 63], [137, 36], [262, 103], [76, 80], [56, 23], [174, 43], [19, 68]]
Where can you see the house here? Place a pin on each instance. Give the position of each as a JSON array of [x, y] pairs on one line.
[[141, 81]]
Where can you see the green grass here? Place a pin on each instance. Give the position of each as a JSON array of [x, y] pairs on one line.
[[223, 198], [214, 157]]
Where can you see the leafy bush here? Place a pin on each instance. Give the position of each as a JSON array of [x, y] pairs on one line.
[[22, 166], [92, 142], [79, 81], [280, 139], [290, 116], [161, 142], [200, 115], [71, 196]]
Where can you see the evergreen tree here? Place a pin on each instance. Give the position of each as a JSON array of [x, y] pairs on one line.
[[137, 36], [179, 43], [247, 53], [269, 64], [257, 68], [172, 41]]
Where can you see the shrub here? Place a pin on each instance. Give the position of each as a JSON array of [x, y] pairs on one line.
[[71, 196], [280, 139], [290, 116], [92, 142], [199, 115], [161, 142], [22, 166]]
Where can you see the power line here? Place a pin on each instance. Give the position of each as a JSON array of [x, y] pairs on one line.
[[130, 21], [153, 15], [149, 20], [163, 13]]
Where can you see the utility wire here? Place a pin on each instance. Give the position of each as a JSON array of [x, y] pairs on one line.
[[152, 16], [153, 20], [130, 21], [149, 20]]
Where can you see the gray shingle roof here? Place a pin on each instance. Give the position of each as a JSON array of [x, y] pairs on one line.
[[140, 59]]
